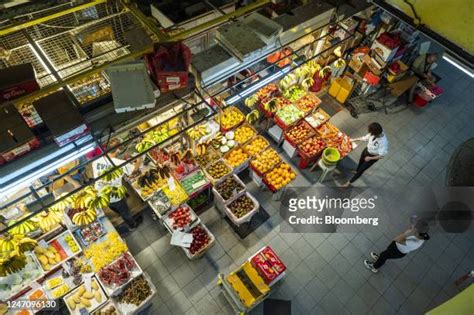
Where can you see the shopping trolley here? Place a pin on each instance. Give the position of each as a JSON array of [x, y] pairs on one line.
[[384, 96]]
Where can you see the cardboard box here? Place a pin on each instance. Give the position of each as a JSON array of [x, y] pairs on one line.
[[373, 66], [16, 81], [385, 53]]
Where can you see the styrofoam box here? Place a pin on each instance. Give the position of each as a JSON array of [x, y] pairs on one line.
[[131, 87]]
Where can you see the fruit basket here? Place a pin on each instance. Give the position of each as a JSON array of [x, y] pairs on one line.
[[341, 142], [229, 188], [180, 219], [298, 133], [176, 194], [114, 277], [89, 298], [218, 170], [327, 130], [184, 169], [256, 145], [279, 177], [136, 295], [310, 150], [90, 233], [58, 250], [318, 118], [265, 161], [238, 159], [101, 254], [194, 182], [244, 133], [230, 118], [203, 240], [209, 156], [267, 91], [288, 116], [159, 203], [242, 209], [308, 103], [294, 93]]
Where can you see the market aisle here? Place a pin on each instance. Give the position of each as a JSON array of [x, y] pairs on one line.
[[326, 271]]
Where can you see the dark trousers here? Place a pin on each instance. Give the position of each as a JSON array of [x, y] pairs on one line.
[[391, 252], [120, 207], [363, 165]]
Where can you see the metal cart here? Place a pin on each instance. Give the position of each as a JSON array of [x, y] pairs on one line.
[[385, 96]]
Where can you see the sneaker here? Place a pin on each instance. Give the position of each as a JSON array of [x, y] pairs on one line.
[[370, 266], [132, 228], [374, 255]]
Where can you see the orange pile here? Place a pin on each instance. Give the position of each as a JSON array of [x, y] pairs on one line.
[[257, 145], [243, 134], [280, 176], [266, 160], [236, 157]]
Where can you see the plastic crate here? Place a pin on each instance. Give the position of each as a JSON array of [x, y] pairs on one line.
[[293, 142], [305, 159]]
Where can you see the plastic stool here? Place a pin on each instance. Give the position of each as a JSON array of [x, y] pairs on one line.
[[326, 170]]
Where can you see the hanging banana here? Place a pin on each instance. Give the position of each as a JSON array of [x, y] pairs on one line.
[[253, 116]]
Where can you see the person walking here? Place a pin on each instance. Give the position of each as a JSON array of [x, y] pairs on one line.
[[403, 244], [377, 148]]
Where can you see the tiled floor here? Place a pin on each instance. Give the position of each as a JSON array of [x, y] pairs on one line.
[[326, 274]]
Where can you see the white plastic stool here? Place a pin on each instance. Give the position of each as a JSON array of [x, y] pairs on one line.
[[326, 170]]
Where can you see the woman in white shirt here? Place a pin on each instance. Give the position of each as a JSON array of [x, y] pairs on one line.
[[377, 148], [403, 244]]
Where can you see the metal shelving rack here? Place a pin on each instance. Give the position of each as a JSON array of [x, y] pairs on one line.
[[71, 44]]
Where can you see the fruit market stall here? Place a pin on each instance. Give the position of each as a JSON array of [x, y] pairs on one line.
[[253, 281]]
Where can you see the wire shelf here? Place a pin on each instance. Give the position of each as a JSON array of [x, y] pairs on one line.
[[72, 43]]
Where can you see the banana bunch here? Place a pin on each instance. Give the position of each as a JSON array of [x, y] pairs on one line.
[[62, 205], [197, 132], [84, 198], [24, 244], [307, 83], [7, 244], [112, 175], [253, 116], [302, 72], [175, 157], [47, 220], [339, 63], [23, 228], [271, 106], [11, 263], [84, 217], [251, 100], [116, 192], [100, 201], [324, 71], [289, 80], [313, 67], [144, 145], [201, 149]]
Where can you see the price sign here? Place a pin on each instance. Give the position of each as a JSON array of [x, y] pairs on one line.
[[87, 281], [171, 183]]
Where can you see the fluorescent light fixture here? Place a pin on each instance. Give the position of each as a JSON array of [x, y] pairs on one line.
[[26, 180], [258, 85], [459, 66]]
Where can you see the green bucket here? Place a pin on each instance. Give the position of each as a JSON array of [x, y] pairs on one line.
[[331, 156]]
